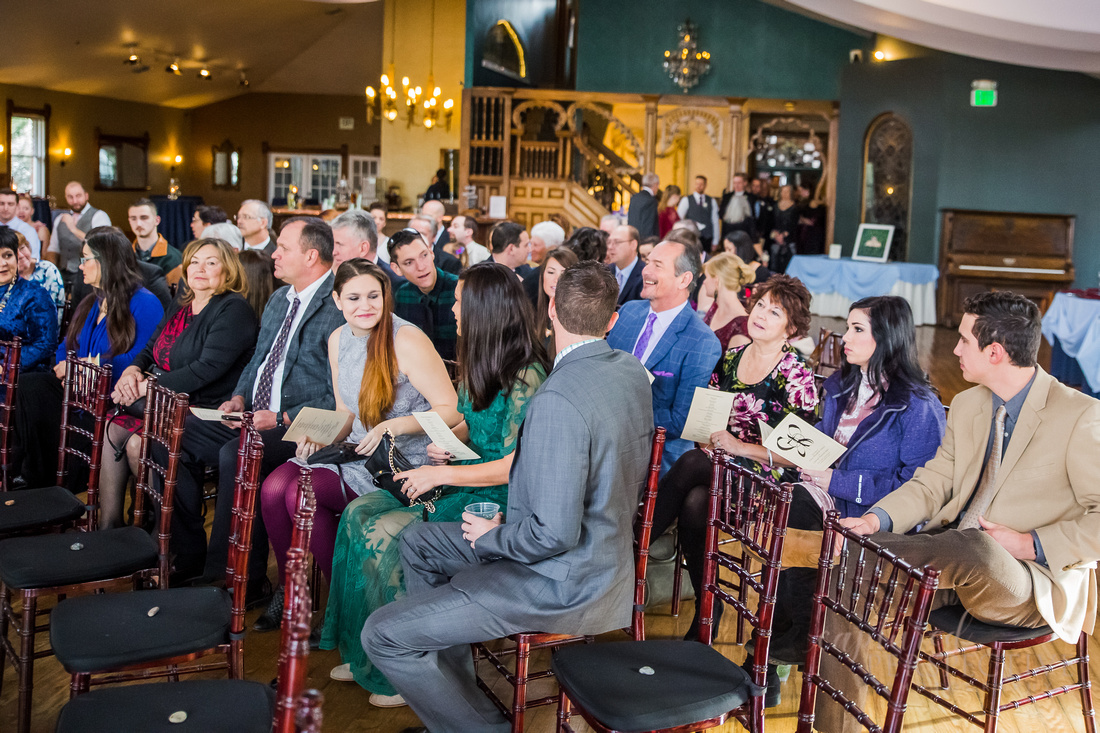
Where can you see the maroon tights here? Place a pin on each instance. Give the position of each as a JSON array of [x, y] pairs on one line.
[[279, 499]]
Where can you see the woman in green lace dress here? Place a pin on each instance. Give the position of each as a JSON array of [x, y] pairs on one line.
[[501, 365]]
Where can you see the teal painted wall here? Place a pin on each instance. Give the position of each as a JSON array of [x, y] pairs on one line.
[[1035, 152], [757, 50]]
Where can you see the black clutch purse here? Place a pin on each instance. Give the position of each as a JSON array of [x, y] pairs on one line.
[[386, 461]]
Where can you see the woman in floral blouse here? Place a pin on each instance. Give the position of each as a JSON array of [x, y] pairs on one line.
[[769, 379]]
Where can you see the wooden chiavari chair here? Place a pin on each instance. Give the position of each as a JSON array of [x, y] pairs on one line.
[[52, 508], [522, 645], [688, 685], [209, 706], [169, 628], [884, 598], [999, 640]]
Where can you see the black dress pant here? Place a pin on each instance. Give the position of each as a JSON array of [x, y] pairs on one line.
[[683, 495], [794, 595], [38, 427], [209, 443]]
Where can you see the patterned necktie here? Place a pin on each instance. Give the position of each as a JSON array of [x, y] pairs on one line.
[[647, 334], [620, 277], [984, 495], [263, 387]]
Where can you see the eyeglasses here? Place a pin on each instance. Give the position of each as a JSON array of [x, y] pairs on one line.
[[86, 260], [245, 217]]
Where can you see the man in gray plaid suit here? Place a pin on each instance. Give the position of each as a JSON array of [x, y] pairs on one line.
[[288, 371], [563, 561]]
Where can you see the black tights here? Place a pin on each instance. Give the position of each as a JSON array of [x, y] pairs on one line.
[[684, 494]]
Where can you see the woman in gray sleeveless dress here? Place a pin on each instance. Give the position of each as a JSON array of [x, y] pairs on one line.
[[384, 369]]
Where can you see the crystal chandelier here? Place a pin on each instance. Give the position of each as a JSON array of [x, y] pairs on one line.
[[686, 64], [419, 107]]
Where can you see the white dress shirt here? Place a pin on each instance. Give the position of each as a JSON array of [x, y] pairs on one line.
[[622, 275], [99, 219], [664, 320], [258, 247], [304, 298], [384, 248], [27, 231], [476, 253]]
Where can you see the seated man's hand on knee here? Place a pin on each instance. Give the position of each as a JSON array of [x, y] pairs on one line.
[[1019, 544]]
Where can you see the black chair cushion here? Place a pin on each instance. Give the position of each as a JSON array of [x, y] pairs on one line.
[[690, 682], [956, 621], [103, 632], [23, 510], [52, 560], [233, 706]]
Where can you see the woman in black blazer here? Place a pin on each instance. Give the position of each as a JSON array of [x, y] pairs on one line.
[[200, 347]]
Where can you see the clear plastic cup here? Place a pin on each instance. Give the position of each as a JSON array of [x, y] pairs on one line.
[[483, 509]]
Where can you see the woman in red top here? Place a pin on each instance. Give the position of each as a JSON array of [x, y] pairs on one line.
[[666, 210]]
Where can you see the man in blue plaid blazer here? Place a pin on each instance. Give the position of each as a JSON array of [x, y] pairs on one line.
[[670, 340]]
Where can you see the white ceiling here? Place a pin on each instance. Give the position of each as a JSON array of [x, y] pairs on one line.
[[282, 45], [334, 46], [1054, 34]]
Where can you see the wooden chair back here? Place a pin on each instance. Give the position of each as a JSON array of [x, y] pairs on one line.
[[644, 535], [303, 513], [87, 388], [308, 719], [250, 454], [294, 651], [830, 352], [886, 599], [753, 511], [165, 412], [9, 381]]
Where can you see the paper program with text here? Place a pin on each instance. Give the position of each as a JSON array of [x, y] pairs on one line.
[[803, 445], [319, 426], [709, 413]]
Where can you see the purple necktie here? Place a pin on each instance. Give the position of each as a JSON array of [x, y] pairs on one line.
[[647, 334]]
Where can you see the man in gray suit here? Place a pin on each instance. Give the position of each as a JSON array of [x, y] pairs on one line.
[[562, 563]]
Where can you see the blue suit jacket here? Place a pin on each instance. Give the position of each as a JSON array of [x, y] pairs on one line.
[[682, 360]]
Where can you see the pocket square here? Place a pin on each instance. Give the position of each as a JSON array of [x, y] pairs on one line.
[[663, 374]]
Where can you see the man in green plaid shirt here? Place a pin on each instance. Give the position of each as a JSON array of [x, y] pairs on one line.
[[428, 297]]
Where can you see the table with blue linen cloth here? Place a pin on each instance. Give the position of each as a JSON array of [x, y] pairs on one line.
[[1072, 326], [836, 284], [175, 218]]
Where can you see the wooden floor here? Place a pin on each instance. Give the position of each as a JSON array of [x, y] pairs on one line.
[[346, 707]]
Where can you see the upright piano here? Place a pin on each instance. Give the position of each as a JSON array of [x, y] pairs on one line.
[[983, 251]]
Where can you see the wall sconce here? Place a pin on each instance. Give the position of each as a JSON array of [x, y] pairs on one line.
[[179, 159], [880, 55], [67, 153]]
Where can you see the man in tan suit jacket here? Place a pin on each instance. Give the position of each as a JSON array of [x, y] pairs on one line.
[[1031, 560]]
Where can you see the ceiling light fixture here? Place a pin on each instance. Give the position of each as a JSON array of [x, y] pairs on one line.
[[686, 64], [133, 59], [174, 67], [204, 73], [243, 81]]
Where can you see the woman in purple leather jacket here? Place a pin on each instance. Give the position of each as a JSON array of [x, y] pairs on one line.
[[882, 407]]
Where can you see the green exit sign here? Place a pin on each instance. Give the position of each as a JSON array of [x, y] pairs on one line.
[[983, 98], [983, 93]]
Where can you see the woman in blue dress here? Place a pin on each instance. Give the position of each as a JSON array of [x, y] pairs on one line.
[[501, 365]]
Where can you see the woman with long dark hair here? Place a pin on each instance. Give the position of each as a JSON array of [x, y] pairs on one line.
[[383, 370], [111, 325], [259, 274], [880, 405], [552, 267], [588, 244], [501, 363]]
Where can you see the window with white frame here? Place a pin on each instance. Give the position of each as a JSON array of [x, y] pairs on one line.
[[316, 176], [364, 176], [28, 153]]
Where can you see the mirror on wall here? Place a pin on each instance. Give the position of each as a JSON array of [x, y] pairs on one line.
[[123, 162], [227, 166]]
